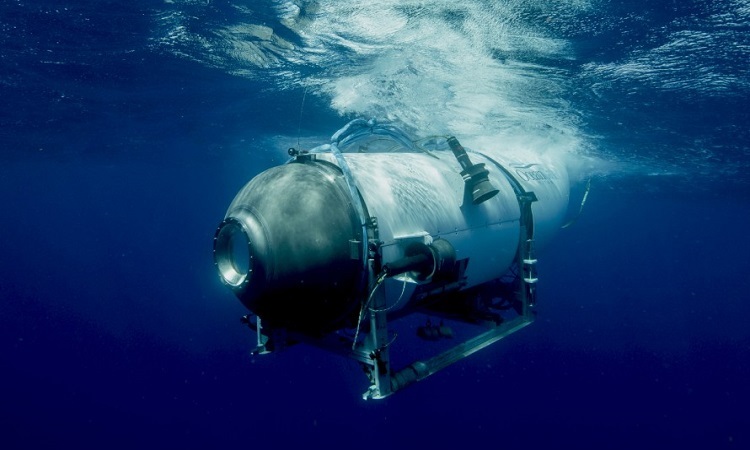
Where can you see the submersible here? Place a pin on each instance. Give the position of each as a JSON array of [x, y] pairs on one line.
[[344, 241]]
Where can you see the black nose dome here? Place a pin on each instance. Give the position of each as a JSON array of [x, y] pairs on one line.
[[285, 244]]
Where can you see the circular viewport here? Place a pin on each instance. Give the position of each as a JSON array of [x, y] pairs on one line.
[[232, 253]]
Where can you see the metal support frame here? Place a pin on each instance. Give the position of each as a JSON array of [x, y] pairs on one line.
[[523, 305], [376, 347]]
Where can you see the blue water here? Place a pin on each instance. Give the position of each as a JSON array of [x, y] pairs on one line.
[[127, 127]]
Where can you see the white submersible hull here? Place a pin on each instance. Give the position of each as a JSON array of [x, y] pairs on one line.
[[374, 226]]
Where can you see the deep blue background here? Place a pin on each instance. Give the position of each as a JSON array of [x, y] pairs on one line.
[[118, 162]]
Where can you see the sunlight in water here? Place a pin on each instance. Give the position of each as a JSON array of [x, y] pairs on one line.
[[512, 74]]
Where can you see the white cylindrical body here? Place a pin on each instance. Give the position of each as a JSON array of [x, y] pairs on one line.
[[420, 196]]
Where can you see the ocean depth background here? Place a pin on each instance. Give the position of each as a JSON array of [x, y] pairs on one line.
[[126, 128]]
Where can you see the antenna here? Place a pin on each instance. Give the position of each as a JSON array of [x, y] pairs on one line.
[[583, 202], [299, 126]]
